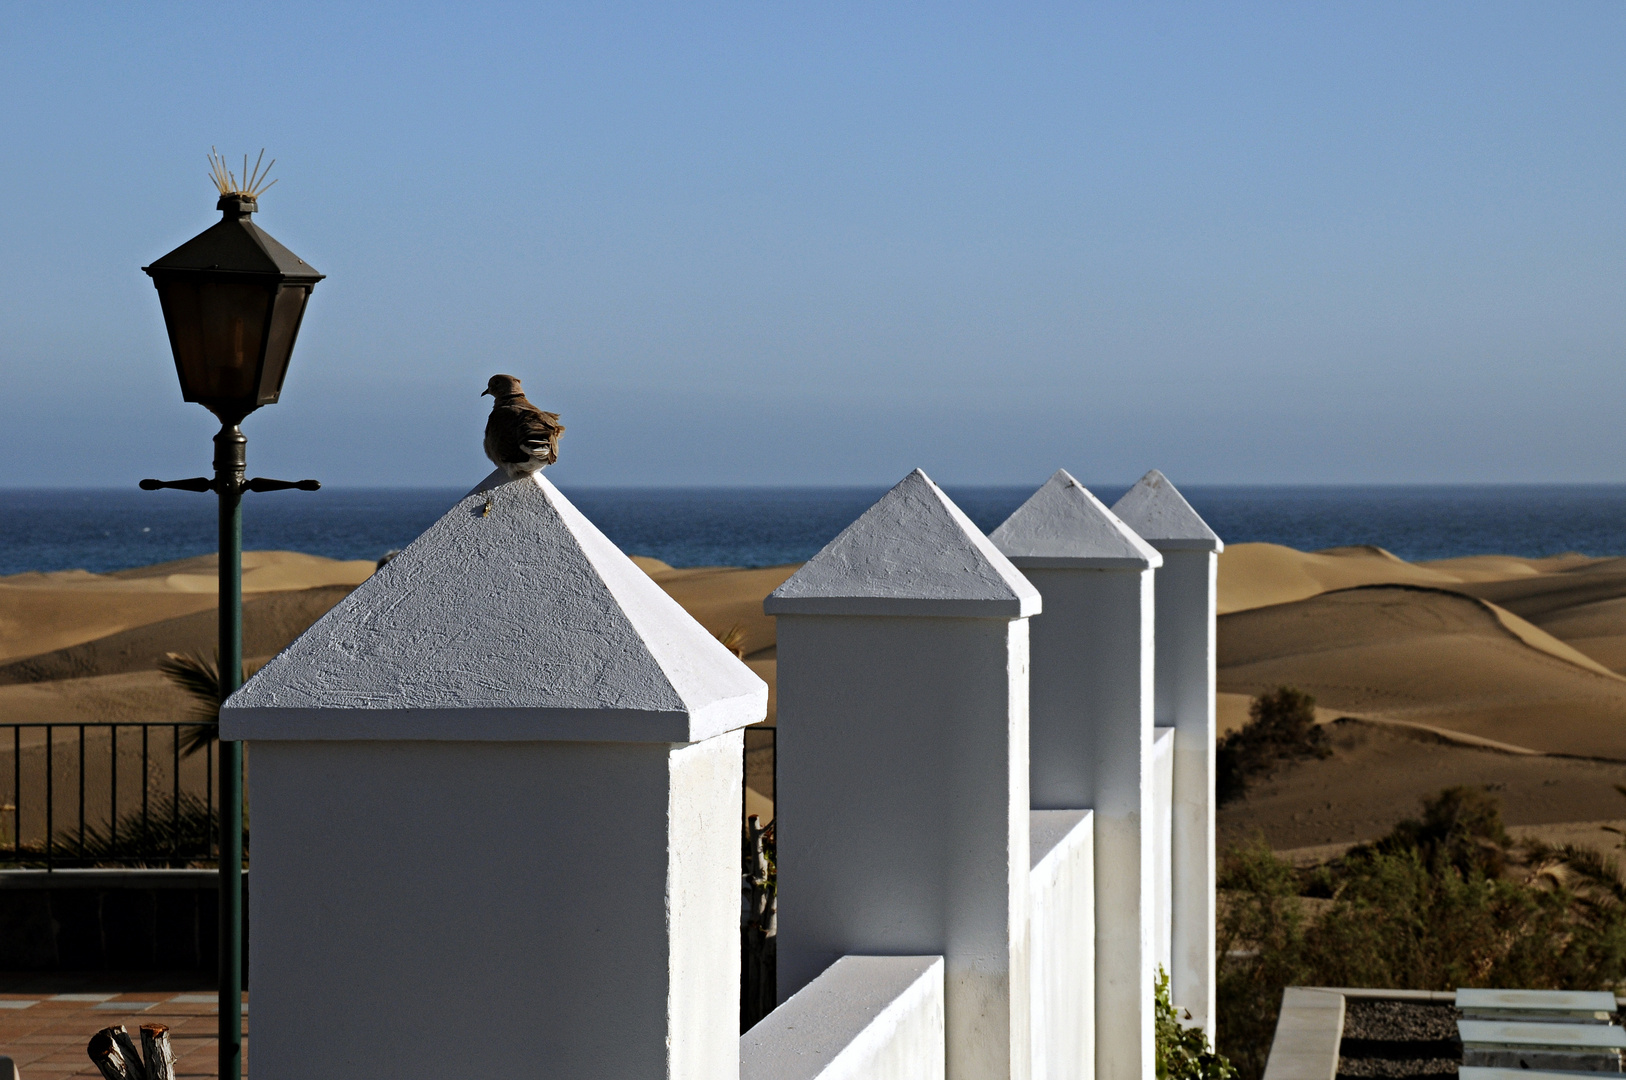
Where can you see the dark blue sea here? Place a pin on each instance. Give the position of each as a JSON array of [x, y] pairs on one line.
[[112, 530]]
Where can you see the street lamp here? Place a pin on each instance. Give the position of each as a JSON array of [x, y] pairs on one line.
[[233, 299]]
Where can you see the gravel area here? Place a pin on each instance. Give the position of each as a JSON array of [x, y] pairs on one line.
[[1399, 1039]]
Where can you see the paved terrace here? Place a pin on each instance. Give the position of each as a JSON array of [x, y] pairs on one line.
[[46, 1020]]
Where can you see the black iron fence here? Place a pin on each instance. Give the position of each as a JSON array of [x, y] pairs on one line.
[[106, 794]]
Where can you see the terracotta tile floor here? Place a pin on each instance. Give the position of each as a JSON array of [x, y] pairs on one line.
[[46, 1020]]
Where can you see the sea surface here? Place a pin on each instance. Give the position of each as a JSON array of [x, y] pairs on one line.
[[113, 530]]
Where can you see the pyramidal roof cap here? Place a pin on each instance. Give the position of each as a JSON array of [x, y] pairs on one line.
[[1156, 510], [1063, 525], [236, 245], [510, 618], [913, 553]]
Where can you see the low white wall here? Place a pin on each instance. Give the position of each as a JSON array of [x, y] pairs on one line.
[[1061, 890], [1308, 1035], [864, 1018], [1163, 847]]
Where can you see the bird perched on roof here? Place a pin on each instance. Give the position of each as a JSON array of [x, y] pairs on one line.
[[520, 438]]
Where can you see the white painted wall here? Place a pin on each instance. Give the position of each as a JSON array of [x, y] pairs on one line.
[[1308, 1035], [1091, 742], [1091, 746], [1186, 587], [903, 813], [863, 1018], [562, 907], [1162, 831], [1186, 650], [1062, 935]]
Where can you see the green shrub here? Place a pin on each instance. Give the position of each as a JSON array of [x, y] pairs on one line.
[[1183, 1053], [1281, 728], [1443, 901]]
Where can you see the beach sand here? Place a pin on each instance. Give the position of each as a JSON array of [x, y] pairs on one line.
[[1487, 670]]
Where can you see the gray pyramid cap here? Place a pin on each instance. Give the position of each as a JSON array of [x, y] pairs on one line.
[[912, 553], [521, 623], [1063, 525], [1163, 518]]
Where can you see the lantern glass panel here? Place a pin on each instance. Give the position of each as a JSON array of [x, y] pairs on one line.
[[285, 318], [217, 329]]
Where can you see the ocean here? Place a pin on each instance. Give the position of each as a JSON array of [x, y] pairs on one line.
[[112, 530]]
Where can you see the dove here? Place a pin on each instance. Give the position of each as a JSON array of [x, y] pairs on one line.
[[520, 438]]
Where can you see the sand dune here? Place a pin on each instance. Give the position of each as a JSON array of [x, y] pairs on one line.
[[42, 612], [1430, 656], [1584, 604], [723, 597], [1255, 575], [1512, 652], [270, 622], [1378, 775]]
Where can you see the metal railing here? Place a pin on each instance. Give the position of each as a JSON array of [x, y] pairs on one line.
[[159, 807]]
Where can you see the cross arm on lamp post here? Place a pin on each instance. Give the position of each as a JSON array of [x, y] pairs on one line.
[[259, 483]]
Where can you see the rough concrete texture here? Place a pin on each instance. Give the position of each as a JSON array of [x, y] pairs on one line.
[[913, 553], [1161, 515], [863, 1018], [1062, 928], [574, 904], [512, 617], [1064, 525]]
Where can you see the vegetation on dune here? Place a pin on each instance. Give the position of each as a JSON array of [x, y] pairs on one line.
[[1281, 728], [1445, 900]]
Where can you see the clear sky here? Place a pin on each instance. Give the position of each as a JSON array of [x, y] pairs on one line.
[[772, 244]]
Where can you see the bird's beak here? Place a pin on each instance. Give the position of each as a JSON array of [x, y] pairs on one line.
[[485, 392]]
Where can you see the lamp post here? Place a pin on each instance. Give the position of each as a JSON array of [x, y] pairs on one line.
[[233, 299]]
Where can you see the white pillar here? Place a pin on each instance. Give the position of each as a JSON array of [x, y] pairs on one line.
[[1185, 701], [1090, 738], [902, 810], [496, 799]]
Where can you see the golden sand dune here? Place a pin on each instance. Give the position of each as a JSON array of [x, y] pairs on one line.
[[42, 612], [132, 697], [723, 597], [1378, 775], [1430, 656], [1471, 568], [1254, 575], [1583, 604], [270, 622]]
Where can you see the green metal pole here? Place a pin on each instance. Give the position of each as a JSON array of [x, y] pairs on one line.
[[231, 459]]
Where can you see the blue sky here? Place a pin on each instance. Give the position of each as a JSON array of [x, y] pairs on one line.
[[766, 244]]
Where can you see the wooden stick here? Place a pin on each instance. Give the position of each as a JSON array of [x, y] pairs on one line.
[[159, 1054], [132, 1055], [107, 1057]]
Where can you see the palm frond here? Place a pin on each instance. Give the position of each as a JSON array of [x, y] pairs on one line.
[[200, 679], [733, 639]]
